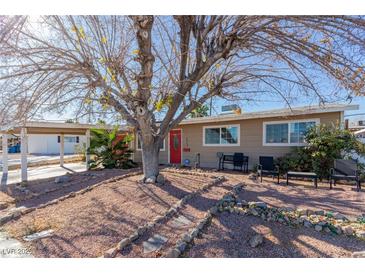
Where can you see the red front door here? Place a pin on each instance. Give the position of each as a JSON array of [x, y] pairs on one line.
[[175, 146]]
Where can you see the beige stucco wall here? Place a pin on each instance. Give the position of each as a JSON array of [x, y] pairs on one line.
[[163, 154], [251, 140]]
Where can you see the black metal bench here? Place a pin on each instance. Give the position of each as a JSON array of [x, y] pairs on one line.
[[345, 170], [302, 174], [237, 160]]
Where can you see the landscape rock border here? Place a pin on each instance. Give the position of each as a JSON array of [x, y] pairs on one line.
[[319, 220], [187, 239], [112, 252]]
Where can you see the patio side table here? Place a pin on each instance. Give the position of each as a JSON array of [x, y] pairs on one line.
[[300, 174]]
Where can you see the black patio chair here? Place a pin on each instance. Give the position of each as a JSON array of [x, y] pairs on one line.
[[345, 170], [238, 160], [266, 167]]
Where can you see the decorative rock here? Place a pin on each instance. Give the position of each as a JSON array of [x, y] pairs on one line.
[[181, 247], [256, 240], [141, 230], [281, 220], [286, 209], [302, 211], [6, 218], [319, 212], [359, 254], [213, 210], [62, 179], [160, 179], [16, 211], [123, 243], [338, 229], [194, 232], [173, 253], [187, 238], [326, 229], [134, 236], [110, 253], [348, 230], [244, 203], [308, 224], [254, 212], [150, 180], [318, 228], [38, 235], [258, 204], [360, 234], [339, 216]]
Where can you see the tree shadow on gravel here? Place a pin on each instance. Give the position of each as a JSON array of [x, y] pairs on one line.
[[89, 235], [229, 236]]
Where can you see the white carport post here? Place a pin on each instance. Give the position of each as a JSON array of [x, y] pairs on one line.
[[87, 155], [5, 154], [62, 149], [23, 151]]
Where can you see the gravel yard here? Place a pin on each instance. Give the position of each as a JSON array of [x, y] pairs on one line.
[[193, 212], [229, 235], [89, 224], [343, 198]]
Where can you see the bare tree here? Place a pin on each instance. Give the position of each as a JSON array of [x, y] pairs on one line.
[[153, 71]]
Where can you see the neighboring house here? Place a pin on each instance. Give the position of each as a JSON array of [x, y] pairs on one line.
[[50, 144], [266, 133], [360, 134]]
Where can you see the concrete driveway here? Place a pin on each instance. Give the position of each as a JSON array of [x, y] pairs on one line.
[[14, 158], [42, 172]]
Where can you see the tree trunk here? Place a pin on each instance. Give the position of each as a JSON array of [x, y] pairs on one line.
[[150, 155]]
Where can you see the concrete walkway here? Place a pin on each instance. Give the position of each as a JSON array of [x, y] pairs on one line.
[[43, 172]]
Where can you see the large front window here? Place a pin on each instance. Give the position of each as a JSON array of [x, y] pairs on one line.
[[222, 135], [277, 133], [290, 133]]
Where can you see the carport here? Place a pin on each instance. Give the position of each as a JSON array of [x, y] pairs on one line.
[[56, 128]]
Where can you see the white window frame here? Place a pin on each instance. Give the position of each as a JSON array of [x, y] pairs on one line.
[[288, 144], [223, 145], [140, 149]]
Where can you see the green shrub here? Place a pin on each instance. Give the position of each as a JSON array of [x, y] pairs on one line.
[[297, 160], [109, 150], [324, 145]]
